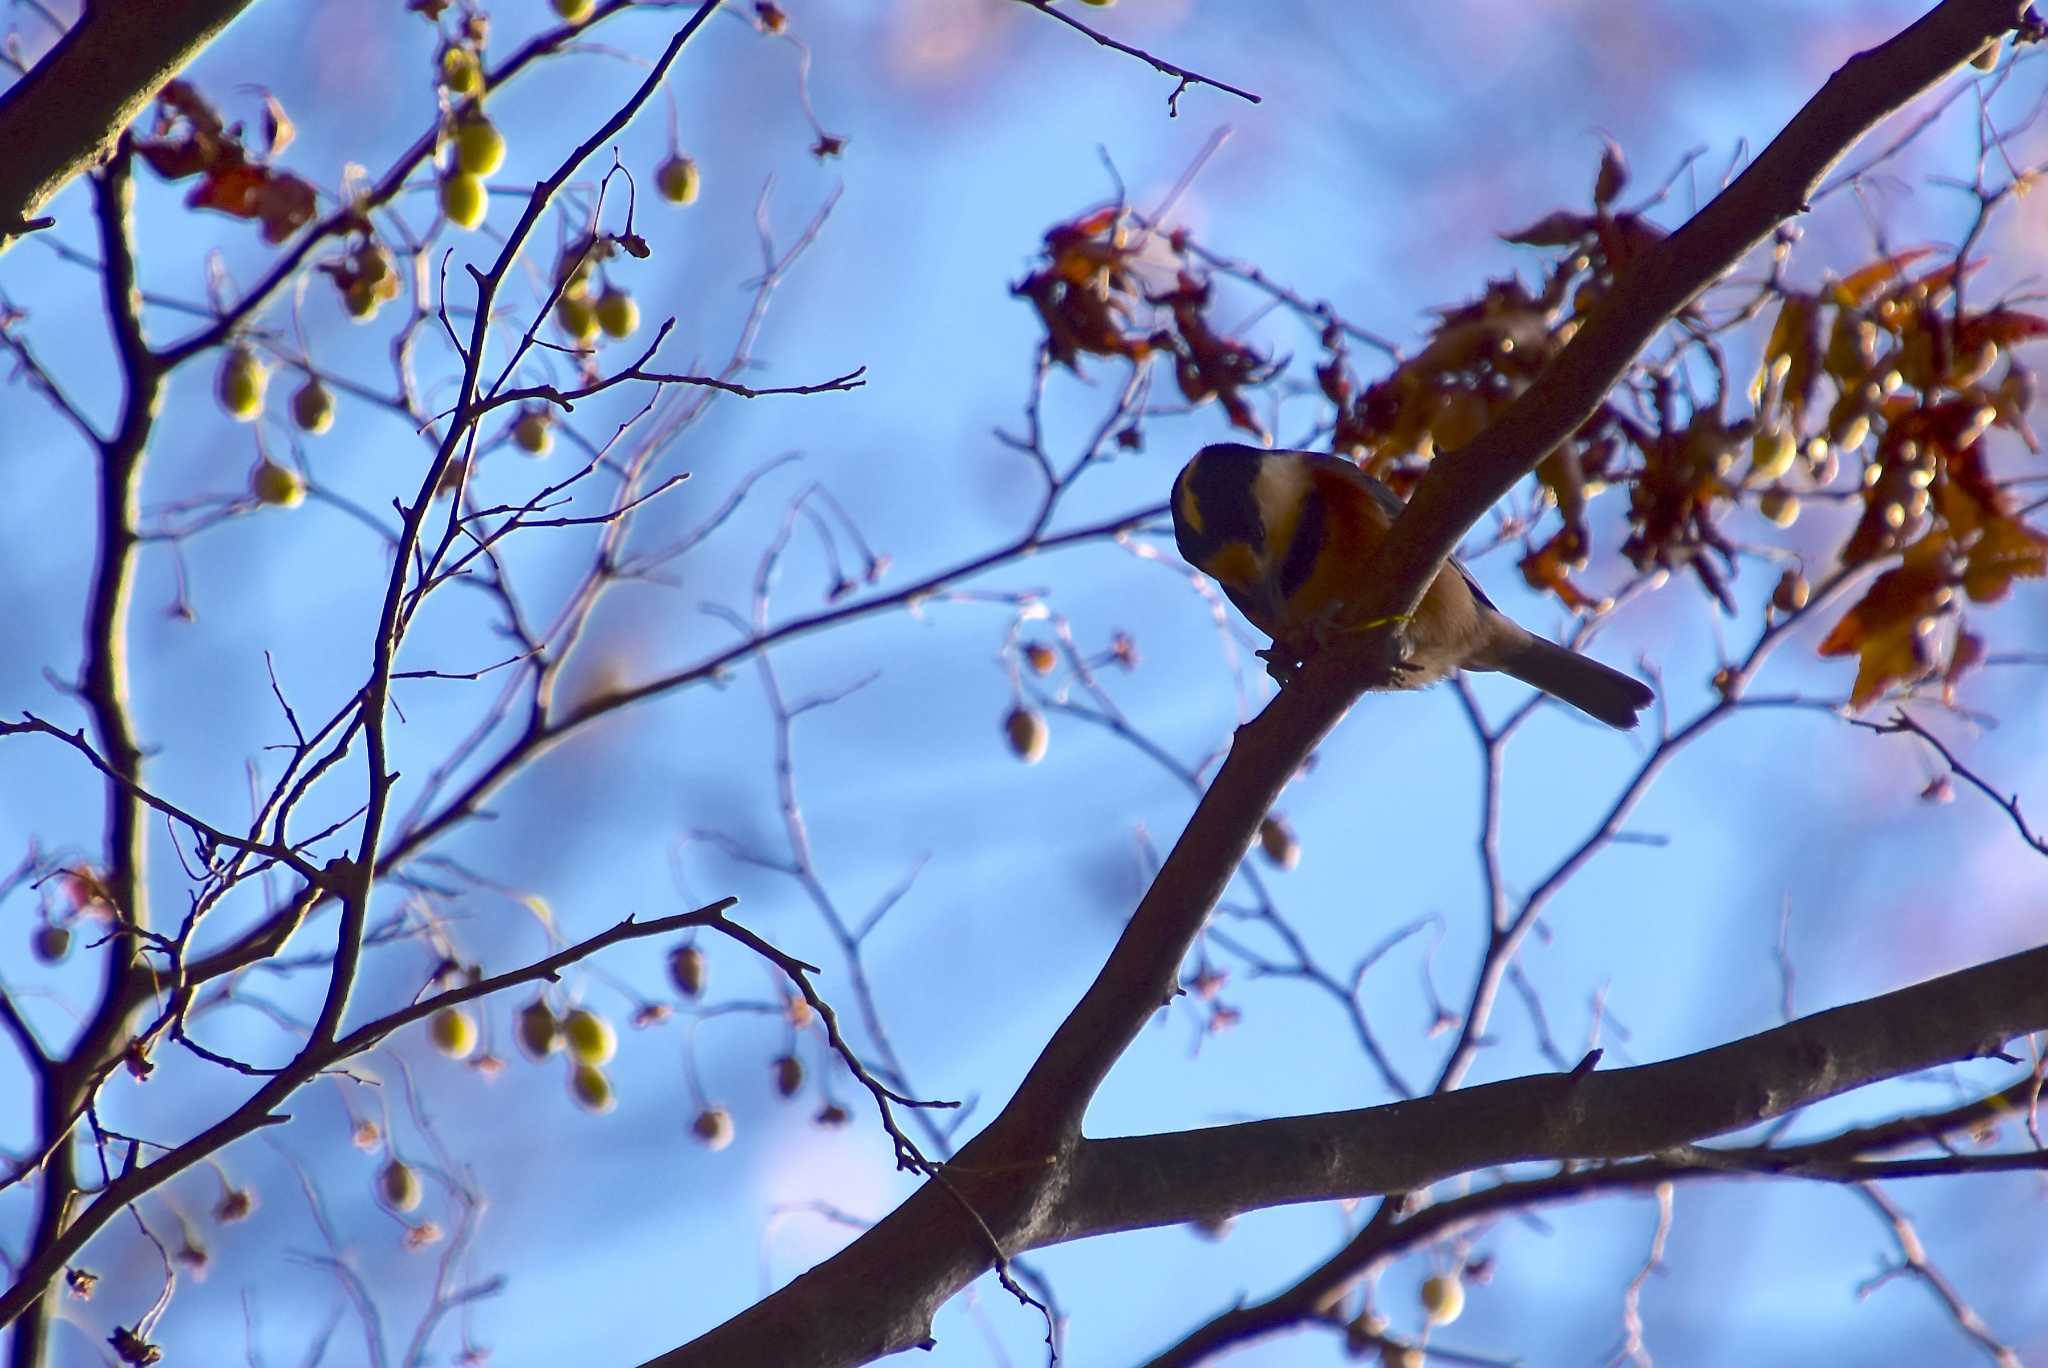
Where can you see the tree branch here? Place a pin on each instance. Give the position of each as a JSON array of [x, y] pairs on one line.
[[65, 114], [1017, 1170]]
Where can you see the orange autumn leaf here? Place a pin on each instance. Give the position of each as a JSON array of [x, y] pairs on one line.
[[1885, 629], [1545, 570], [2006, 550], [1859, 287]]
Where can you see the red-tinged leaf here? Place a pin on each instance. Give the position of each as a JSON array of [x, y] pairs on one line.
[[172, 159], [1560, 229], [1859, 287], [230, 189], [1613, 174], [2002, 327], [285, 204]]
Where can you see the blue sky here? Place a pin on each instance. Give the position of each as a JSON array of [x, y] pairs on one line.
[[1393, 143]]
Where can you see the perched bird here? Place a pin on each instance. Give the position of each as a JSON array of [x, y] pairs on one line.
[[1288, 535]]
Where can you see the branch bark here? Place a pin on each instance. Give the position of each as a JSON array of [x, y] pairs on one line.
[[65, 114], [877, 1295]]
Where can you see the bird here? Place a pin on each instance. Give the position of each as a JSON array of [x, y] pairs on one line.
[[1289, 534]]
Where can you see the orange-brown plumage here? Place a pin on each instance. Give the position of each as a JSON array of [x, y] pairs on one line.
[[1288, 535]]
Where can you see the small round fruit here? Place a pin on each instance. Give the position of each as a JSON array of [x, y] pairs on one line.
[[479, 146], [277, 485], [1279, 843], [1443, 1298], [399, 1186], [1099, 4], [540, 1034], [453, 1031], [591, 1038], [460, 72], [533, 434], [576, 316], [591, 1089], [1026, 731], [617, 313], [313, 408], [686, 970], [50, 943], [574, 11], [1792, 592], [1041, 658], [242, 378], [789, 1076], [713, 1128], [677, 179], [361, 301], [1781, 506], [463, 199], [1771, 452]]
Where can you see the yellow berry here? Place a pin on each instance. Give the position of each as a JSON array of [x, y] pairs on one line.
[[460, 72], [677, 179], [1781, 506], [576, 316], [617, 314], [591, 1089], [361, 301], [713, 1127], [277, 485], [1027, 733], [453, 1031], [533, 434], [574, 11], [399, 1186], [1771, 452], [591, 1038], [242, 378], [463, 198], [313, 407], [479, 146], [1443, 1298]]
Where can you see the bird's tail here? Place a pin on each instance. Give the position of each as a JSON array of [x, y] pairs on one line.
[[1581, 681]]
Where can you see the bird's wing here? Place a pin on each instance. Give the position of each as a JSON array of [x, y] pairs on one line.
[[1388, 500]]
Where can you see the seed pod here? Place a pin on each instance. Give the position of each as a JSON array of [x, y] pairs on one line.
[[453, 1031], [686, 969], [399, 1186], [590, 1037], [313, 407], [50, 943], [1026, 730], [277, 485], [591, 1089], [1279, 843], [241, 384], [1443, 1298], [463, 199], [1792, 592], [713, 1128], [678, 180]]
